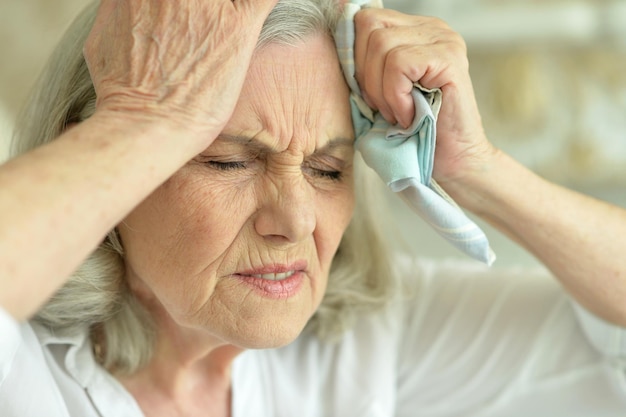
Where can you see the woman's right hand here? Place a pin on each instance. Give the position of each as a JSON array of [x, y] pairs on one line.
[[176, 62], [167, 75]]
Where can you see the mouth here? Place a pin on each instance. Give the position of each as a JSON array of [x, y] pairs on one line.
[[275, 272], [275, 276], [276, 281]]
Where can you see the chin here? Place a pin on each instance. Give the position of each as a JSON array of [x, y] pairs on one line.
[[268, 336]]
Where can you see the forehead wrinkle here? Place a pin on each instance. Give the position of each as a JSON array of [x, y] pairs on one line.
[[287, 112], [255, 144], [273, 111], [296, 113], [285, 98]]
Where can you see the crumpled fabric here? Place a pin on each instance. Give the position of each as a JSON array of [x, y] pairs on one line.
[[404, 158]]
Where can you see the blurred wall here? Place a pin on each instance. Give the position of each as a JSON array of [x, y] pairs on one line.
[[29, 30]]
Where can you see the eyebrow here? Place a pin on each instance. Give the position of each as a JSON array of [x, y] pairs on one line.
[[256, 145]]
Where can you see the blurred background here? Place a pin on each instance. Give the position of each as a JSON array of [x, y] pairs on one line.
[[550, 78]]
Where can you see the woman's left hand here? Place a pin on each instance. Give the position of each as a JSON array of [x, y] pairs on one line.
[[392, 51], [555, 224]]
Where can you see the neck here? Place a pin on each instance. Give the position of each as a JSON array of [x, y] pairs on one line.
[[189, 370]]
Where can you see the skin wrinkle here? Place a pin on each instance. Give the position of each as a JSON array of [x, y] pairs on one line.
[[187, 241], [233, 309], [233, 242], [139, 78], [208, 43], [182, 241]]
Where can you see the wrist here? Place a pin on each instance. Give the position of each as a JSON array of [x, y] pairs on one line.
[[178, 117], [492, 186], [151, 129], [468, 180]]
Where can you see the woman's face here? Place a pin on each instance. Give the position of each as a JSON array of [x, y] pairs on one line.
[[239, 242]]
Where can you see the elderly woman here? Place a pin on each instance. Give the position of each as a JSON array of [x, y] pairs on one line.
[[199, 239]]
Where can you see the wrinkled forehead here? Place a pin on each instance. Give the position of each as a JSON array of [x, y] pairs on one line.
[[294, 92]]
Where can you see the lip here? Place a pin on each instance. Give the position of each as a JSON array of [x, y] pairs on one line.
[[285, 283], [298, 266]]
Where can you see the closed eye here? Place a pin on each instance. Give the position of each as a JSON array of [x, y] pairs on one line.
[[227, 166], [332, 175], [323, 173]]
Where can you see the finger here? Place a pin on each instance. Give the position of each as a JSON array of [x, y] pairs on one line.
[[373, 71], [397, 85], [378, 32], [365, 22]]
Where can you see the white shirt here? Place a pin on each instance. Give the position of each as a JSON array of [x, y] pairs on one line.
[[468, 342]]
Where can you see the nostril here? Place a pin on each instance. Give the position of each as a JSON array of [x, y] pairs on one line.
[[276, 239], [283, 222], [287, 211]]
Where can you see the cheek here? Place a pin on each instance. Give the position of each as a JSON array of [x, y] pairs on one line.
[[178, 236], [334, 216]]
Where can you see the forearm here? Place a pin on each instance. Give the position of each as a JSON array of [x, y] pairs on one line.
[[581, 240], [59, 201]]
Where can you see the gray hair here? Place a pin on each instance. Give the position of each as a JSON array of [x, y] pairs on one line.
[[97, 299]]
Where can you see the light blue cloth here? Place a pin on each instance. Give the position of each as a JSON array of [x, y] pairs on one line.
[[404, 158]]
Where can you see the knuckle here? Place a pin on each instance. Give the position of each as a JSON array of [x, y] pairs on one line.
[[461, 44], [402, 62], [455, 39], [438, 23], [441, 30], [378, 41], [395, 60], [458, 49], [367, 19]]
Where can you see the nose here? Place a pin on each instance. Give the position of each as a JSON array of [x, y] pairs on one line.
[[287, 210]]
